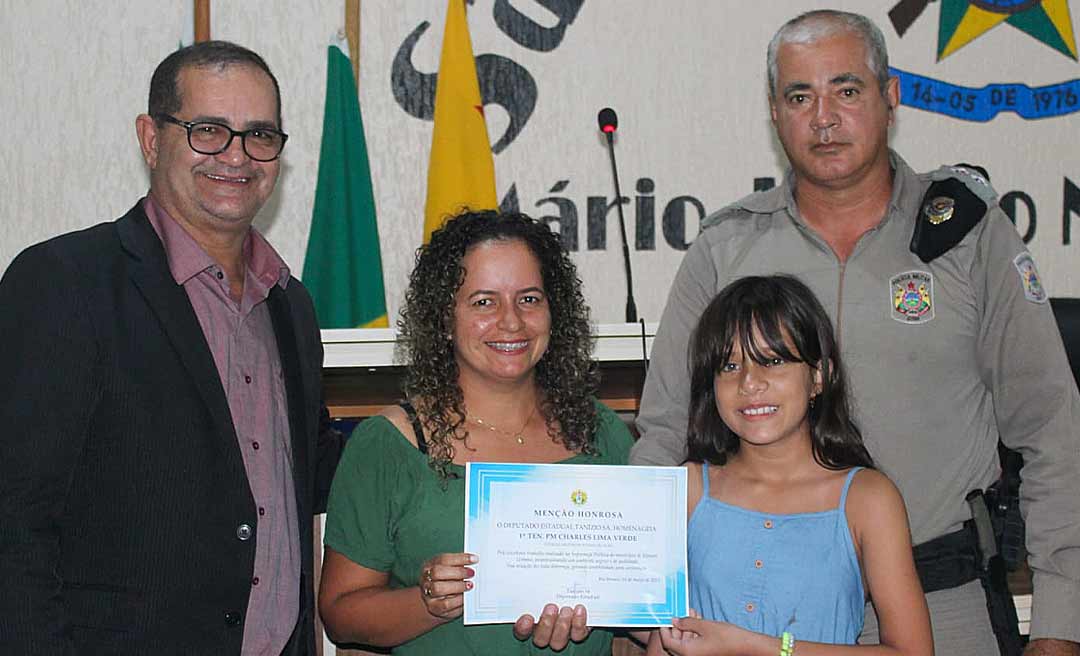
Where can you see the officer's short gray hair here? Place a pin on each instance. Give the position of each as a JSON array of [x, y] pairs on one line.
[[823, 23]]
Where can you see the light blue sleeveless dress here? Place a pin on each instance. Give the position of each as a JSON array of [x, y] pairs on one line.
[[773, 573]]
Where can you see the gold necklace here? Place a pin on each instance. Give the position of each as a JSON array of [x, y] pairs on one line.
[[518, 436]]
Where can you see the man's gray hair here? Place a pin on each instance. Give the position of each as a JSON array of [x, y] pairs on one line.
[[823, 23]]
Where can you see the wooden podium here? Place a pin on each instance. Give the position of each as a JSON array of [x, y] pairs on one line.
[[361, 373]]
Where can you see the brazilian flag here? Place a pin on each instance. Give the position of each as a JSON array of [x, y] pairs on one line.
[[343, 267]]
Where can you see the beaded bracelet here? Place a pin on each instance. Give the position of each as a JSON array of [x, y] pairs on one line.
[[787, 644]]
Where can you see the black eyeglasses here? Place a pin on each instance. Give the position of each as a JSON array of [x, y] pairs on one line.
[[210, 138]]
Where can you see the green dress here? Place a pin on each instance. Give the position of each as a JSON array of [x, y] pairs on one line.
[[388, 511]]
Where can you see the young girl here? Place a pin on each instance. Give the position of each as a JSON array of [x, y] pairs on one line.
[[790, 528]]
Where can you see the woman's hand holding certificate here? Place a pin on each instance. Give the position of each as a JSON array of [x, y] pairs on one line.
[[443, 582]]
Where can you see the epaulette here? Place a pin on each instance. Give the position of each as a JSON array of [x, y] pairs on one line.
[[752, 203], [721, 215], [954, 203]]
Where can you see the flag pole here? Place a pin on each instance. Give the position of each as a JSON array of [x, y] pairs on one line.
[[352, 33], [202, 20]]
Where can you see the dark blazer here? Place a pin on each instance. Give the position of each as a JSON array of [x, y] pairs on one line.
[[123, 495]]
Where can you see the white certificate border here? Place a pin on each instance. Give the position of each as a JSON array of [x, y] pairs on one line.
[[481, 475]]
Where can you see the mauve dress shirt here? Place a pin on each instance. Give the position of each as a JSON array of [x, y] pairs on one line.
[[242, 341]]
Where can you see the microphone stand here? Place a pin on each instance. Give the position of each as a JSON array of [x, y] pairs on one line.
[[631, 307]]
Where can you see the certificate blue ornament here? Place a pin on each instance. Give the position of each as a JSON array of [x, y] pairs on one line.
[[612, 538]]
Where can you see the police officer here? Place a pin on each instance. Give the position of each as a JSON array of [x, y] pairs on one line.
[[941, 316]]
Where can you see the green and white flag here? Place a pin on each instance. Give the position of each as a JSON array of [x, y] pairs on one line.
[[343, 267]]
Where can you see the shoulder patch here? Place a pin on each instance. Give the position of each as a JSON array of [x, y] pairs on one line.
[[1029, 278], [954, 203]]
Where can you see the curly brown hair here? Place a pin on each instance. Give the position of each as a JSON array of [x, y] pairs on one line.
[[566, 375]]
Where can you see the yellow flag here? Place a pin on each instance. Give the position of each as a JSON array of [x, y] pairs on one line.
[[461, 172]]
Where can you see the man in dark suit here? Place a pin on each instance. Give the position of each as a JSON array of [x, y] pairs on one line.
[[161, 455]]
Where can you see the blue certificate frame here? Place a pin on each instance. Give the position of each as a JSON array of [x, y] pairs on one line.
[[612, 538]]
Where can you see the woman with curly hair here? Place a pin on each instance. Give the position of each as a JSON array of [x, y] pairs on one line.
[[496, 335]]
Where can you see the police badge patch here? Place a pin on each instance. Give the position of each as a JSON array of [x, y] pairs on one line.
[[1029, 278], [912, 297]]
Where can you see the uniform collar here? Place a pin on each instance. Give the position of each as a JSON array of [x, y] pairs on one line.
[[903, 194]]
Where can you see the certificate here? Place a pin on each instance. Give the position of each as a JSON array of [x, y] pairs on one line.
[[612, 538]]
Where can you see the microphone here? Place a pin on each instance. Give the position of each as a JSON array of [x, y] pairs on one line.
[[609, 122]]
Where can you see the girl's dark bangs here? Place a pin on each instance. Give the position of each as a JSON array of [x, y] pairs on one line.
[[771, 328], [721, 341]]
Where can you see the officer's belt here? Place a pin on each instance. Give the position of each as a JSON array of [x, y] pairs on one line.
[[953, 560], [948, 561]]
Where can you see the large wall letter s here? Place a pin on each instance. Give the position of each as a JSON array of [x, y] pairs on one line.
[[413, 91], [503, 82], [527, 32], [506, 83]]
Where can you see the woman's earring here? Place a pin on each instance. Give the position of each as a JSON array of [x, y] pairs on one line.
[[812, 399]]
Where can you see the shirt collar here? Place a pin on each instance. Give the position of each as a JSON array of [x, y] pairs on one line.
[[902, 175], [188, 259], [264, 261]]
